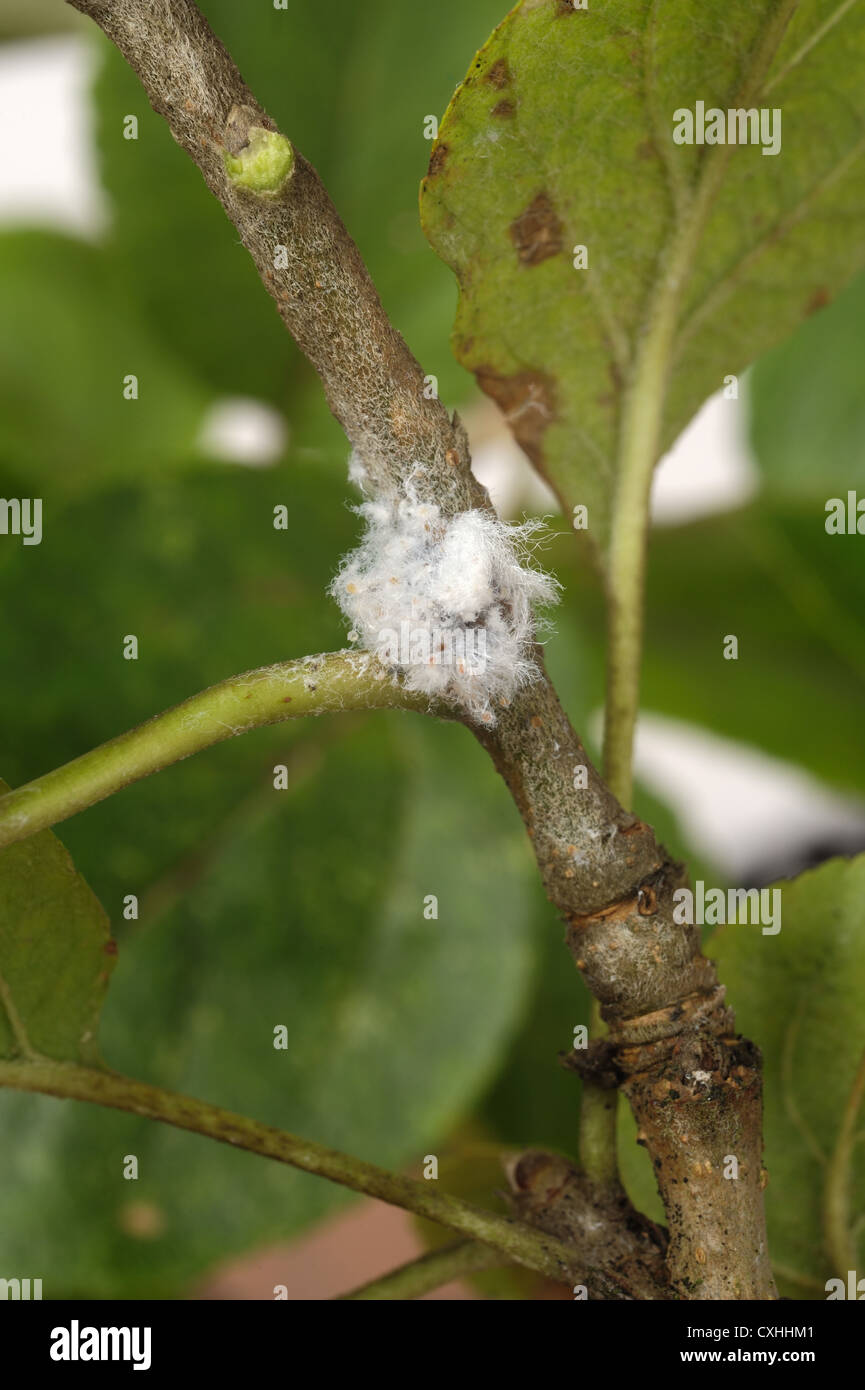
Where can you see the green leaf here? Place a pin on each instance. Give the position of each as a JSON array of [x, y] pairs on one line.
[[534, 1100], [700, 257], [787, 590], [768, 574], [807, 405], [193, 566], [257, 907], [56, 954], [69, 334], [799, 996]]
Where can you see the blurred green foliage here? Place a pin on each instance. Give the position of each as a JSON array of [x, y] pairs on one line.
[[22, 19], [801, 996], [808, 406], [48, 911]]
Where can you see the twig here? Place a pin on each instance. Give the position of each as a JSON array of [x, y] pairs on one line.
[[429, 1272], [514, 1240], [270, 695]]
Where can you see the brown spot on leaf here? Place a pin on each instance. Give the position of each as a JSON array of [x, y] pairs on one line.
[[437, 159], [498, 75], [504, 108], [110, 947], [527, 401], [819, 299], [537, 232]]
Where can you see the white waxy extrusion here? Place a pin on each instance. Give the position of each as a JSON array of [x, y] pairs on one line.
[[449, 604]]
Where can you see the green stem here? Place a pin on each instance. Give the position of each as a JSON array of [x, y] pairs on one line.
[[429, 1272], [269, 695], [639, 449], [641, 437], [640, 446], [598, 1141], [836, 1199], [514, 1240]]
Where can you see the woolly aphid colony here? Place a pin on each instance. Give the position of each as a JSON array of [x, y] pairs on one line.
[[449, 604]]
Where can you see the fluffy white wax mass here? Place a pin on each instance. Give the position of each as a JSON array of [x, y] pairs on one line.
[[449, 604]]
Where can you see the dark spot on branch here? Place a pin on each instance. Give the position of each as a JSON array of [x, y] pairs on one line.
[[647, 901], [537, 232]]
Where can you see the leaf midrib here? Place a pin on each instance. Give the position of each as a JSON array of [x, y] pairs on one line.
[[641, 424]]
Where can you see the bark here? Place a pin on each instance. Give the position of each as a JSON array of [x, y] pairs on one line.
[[695, 1087], [624, 1249]]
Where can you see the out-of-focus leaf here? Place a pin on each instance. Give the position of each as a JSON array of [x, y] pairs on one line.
[[308, 912], [774, 579], [799, 996], [534, 1101], [561, 137], [56, 953], [193, 567], [25, 19], [808, 407], [768, 574], [257, 907], [70, 333]]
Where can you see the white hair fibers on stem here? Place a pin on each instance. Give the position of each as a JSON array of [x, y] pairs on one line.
[[449, 604]]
